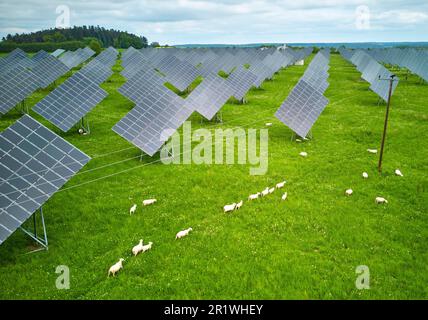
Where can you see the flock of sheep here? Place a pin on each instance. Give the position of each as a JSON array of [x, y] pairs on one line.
[[140, 247]]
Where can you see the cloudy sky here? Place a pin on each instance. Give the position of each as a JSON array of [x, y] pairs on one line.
[[232, 21]]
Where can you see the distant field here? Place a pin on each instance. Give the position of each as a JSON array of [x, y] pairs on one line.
[[304, 248]]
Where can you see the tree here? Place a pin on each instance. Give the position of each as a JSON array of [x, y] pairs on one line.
[[95, 45], [155, 45]]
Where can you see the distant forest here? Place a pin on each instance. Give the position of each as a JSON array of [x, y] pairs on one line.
[[71, 39]]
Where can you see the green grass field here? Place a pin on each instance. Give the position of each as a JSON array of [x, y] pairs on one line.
[[307, 247]]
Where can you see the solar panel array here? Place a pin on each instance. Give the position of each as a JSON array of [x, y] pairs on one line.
[[159, 109], [16, 85], [306, 101], [74, 58], [415, 60], [371, 71], [34, 164], [57, 52], [72, 100]]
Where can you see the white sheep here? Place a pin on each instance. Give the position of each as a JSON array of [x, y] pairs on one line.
[[271, 190], [298, 140], [303, 154], [280, 185], [265, 192], [229, 207], [183, 233], [349, 192], [147, 247], [116, 267], [133, 208], [373, 151], [254, 196], [284, 196], [380, 200], [138, 248], [239, 205], [268, 124], [365, 175], [149, 202], [398, 173]]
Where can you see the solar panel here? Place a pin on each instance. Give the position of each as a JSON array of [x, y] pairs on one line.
[[241, 80], [381, 86], [49, 69], [35, 163], [57, 52], [96, 71], [301, 108], [179, 73], [209, 96], [16, 85], [40, 55], [71, 101], [157, 109]]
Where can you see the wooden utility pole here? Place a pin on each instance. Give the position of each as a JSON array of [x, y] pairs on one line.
[[385, 126]]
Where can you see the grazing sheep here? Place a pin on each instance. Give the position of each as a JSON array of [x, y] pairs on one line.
[[284, 196], [373, 151], [303, 154], [298, 140], [147, 247], [271, 190], [265, 192], [183, 233], [365, 175], [239, 205], [138, 248], [349, 192], [149, 202], [380, 200], [116, 267], [254, 196], [280, 185], [398, 173], [229, 207], [133, 208], [268, 124]]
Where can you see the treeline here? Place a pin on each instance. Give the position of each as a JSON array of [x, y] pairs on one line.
[[71, 39]]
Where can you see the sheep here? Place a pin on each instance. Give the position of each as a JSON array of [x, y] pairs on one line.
[[268, 124], [239, 205], [183, 233], [365, 175], [303, 154], [398, 173], [229, 207], [133, 208], [265, 192], [349, 192], [284, 196], [138, 248], [380, 200], [149, 202], [147, 247], [254, 196], [116, 267], [298, 140], [280, 185], [373, 151], [271, 190]]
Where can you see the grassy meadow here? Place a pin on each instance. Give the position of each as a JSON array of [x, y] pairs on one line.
[[306, 247]]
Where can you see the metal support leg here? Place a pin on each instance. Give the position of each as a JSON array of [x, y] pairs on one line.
[[42, 241]]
